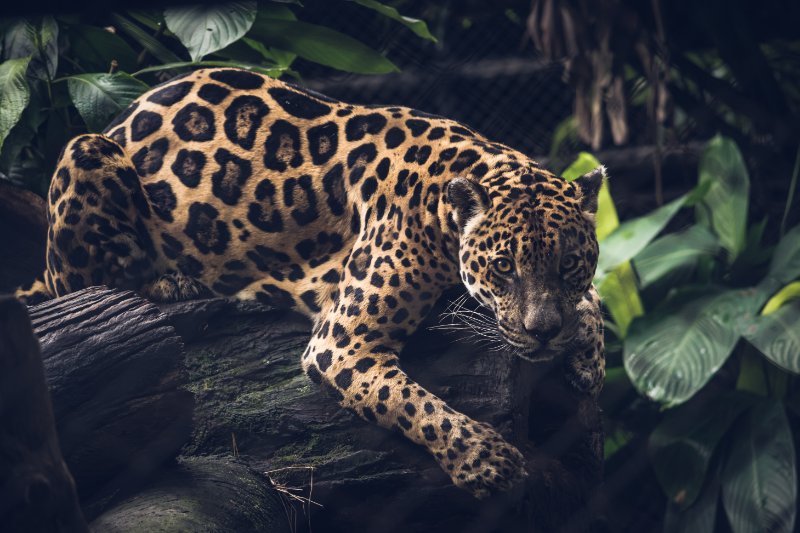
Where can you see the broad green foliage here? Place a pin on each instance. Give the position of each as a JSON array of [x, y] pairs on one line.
[[322, 45], [60, 76], [785, 265], [759, 482], [14, 94], [682, 446], [674, 257], [632, 236], [417, 26], [724, 208], [777, 336], [713, 296], [672, 352], [205, 29], [99, 97]]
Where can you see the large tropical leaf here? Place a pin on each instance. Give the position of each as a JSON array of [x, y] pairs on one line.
[[14, 94], [417, 26], [785, 265], [777, 336], [321, 45], [759, 481], [673, 351], [724, 208], [633, 235], [621, 296], [672, 255], [37, 39], [204, 29], [98, 97], [682, 445]]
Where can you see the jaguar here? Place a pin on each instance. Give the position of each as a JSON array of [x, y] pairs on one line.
[[226, 182]]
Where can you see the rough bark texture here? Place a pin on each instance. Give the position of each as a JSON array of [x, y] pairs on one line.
[[37, 492], [202, 494], [254, 401], [113, 363], [122, 374]]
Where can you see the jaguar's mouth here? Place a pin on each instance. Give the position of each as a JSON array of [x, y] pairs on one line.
[[528, 348]]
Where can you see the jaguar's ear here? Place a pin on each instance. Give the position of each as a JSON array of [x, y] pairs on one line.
[[589, 188], [469, 199]]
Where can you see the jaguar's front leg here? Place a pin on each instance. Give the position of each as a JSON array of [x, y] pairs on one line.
[[354, 352], [584, 361]]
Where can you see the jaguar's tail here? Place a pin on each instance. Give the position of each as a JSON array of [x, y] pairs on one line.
[[34, 293]]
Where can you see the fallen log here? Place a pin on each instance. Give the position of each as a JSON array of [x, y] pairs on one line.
[[113, 363], [254, 401], [122, 374], [202, 494]]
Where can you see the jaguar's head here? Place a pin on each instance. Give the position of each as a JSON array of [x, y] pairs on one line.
[[528, 252]]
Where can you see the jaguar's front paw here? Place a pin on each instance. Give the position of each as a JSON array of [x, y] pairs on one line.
[[585, 361], [480, 461]]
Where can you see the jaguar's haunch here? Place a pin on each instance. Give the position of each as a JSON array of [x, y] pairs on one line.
[[228, 182]]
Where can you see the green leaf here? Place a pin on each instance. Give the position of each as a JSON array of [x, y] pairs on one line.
[[785, 265], [269, 71], [620, 296], [673, 351], [633, 235], [788, 293], [37, 39], [724, 207], [777, 336], [701, 515], [205, 29], [669, 256], [99, 97], [417, 26], [95, 48], [151, 44], [583, 164], [682, 445], [24, 133], [14, 94], [321, 45], [759, 480]]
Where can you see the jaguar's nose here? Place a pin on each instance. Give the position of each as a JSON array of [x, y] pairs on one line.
[[543, 323], [543, 333]]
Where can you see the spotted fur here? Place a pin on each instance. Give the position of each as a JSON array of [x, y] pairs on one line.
[[224, 182]]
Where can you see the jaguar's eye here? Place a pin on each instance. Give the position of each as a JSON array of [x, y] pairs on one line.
[[502, 265], [568, 262]]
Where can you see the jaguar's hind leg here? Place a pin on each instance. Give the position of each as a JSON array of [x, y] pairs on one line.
[[96, 212]]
